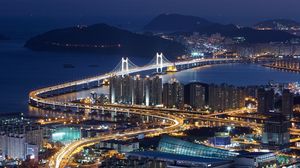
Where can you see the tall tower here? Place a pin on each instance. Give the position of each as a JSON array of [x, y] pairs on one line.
[[115, 89], [159, 62], [287, 103], [153, 91], [265, 98], [138, 90], [173, 94], [124, 66], [194, 95], [276, 132]]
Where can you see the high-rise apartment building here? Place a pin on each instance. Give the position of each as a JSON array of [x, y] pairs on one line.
[[265, 100], [287, 104], [195, 95], [136, 90], [276, 132], [173, 94], [17, 136], [153, 91], [224, 97]]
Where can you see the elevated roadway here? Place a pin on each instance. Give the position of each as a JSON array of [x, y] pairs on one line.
[[61, 158]]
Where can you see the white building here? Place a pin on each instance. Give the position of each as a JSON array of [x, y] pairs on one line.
[[14, 146], [256, 159], [120, 146]]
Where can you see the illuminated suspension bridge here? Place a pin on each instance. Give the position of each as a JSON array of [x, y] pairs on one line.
[[124, 67]]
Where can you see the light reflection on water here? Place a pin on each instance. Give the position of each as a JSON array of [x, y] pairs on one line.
[[236, 74], [79, 95], [23, 70]]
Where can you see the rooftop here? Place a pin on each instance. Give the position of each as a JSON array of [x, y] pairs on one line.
[[252, 154], [172, 157], [120, 142]]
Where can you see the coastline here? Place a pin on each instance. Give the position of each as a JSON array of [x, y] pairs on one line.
[[281, 68]]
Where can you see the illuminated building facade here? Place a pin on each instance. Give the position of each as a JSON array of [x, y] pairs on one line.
[[224, 97], [256, 159], [121, 89], [136, 90], [13, 145], [20, 138], [115, 89], [289, 64], [195, 95], [65, 134], [177, 146], [287, 104], [173, 94], [153, 91], [220, 139], [127, 96], [120, 146], [276, 132], [265, 100]]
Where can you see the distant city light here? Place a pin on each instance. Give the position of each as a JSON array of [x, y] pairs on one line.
[[229, 128], [197, 54], [58, 134]]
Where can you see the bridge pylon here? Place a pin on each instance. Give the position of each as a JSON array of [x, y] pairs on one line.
[[124, 65], [159, 62]]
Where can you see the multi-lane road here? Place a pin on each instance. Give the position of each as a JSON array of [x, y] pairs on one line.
[[62, 157], [174, 116], [58, 160]]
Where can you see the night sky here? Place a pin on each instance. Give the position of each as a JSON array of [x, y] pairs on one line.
[[227, 10], [139, 12]]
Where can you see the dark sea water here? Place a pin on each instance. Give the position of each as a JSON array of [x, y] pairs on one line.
[[23, 70], [235, 74]]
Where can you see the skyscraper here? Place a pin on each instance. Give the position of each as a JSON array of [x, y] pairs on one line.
[[265, 99], [138, 90], [287, 103], [121, 89], [173, 94], [18, 137], [276, 132], [127, 90], [194, 95], [115, 89], [224, 97], [153, 91]]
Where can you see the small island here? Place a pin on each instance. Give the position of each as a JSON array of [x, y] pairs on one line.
[[104, 39]]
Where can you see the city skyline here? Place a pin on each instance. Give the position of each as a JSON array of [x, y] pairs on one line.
[[130, 83]]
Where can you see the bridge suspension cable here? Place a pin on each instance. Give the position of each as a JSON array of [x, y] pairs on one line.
[[124, 66], [159, 61]]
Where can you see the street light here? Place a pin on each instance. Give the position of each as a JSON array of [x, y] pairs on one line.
[[228, 129]]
